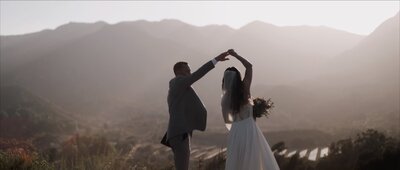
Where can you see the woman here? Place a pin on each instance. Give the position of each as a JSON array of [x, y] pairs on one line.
[[247, 147]]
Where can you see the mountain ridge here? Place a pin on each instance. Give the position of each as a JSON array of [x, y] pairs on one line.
[[104, 70]]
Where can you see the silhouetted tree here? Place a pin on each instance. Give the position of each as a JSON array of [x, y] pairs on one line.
[[371, 150]]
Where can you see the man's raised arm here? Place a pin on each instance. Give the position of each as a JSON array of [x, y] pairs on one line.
[[203, 70]]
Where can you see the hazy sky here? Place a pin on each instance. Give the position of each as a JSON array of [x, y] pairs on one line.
[[357, 16]]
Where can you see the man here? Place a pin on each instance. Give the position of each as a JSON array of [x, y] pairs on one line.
[[186, 111]]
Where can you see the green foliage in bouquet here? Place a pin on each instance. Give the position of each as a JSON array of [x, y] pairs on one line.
[[262, 107]]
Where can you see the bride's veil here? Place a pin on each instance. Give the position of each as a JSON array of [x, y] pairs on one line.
[[229, 79]]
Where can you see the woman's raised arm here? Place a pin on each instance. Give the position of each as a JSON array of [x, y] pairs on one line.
[[248, 74]]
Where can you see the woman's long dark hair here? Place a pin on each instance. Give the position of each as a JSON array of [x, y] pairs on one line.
[[237, 98]]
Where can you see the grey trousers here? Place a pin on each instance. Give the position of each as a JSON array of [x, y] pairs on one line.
[[181, 148]]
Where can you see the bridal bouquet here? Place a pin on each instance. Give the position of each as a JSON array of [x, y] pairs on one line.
[[262, 107]]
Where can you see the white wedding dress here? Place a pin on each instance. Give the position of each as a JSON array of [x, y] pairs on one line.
[[247, 147]]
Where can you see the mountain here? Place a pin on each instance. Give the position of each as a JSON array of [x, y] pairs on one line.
[[104, 71], [360, 87], [374, 59], [372, 69], [17, 50]]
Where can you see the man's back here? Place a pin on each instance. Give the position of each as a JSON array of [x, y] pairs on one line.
[[186, 110]]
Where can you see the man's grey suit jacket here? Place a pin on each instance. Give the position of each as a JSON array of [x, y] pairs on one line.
[[186, 111]]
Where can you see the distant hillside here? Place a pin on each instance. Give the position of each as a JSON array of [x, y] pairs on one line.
[[358, 88], [105, 72], [24, 115], [363, 83]]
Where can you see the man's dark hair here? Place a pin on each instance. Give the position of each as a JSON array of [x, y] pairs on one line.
[[179, 65]]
